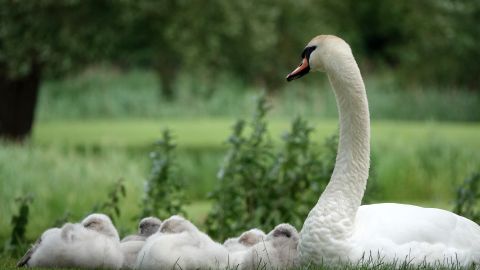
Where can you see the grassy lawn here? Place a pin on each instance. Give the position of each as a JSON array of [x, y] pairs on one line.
[[70, 165], [212, 132]]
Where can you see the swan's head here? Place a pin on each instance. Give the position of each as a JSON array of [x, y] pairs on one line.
[[100, 223], [323, 53], [149, 226], [176, 224]]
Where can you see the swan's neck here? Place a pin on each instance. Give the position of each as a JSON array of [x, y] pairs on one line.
[[331, 220], [345, 190]]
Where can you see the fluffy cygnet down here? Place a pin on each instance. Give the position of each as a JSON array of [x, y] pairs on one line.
[[245, 240], [132, 244], [180, 245], [278, 251], [93, 243], [146, 227]]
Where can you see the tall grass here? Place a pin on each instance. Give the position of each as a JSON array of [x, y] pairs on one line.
[[102, 92]]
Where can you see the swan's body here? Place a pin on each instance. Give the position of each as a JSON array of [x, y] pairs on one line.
[[132, 244], [338, 229], [180, 245], [130, 250], [94, 243]]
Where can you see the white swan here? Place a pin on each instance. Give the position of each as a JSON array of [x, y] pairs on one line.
[[180, 245], [338, 228], [245, 240], [132, 244], [94, 243], [277, 251]]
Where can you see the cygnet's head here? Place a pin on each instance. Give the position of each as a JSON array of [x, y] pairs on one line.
[[149, 226], [245, 240], [251, 237], [100, 223], [284, 234], [323, 53], [177, 224]]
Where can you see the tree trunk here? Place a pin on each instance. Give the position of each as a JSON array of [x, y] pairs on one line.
[[167, 79], [18, 98]]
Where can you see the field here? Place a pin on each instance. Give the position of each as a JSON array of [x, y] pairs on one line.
[[94, 130], [68, 166]]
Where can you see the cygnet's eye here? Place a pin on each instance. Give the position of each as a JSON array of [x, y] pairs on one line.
[[282, 232], [91, 224]]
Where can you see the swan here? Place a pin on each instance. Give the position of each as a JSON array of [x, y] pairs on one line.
[[245, 240], [93, 243], [338, 229], [132, 244], [277, 251], [181, 245], [146, 227]]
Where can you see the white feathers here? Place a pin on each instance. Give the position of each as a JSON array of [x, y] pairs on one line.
[[132, 244], [277, 251], [338, 229], [180, 245], [245, 240], [93, 243], [146, 227]]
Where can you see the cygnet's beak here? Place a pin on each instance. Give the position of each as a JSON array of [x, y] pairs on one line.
[[301, 70]]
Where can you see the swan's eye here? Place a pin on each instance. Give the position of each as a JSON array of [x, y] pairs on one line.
[[307, 51]]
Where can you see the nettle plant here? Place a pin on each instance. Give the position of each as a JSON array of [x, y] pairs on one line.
[[466, 201], [261, 185], [164, 189], [19, 222], [111, 206]]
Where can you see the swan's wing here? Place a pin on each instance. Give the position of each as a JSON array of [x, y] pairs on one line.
[[24, 260], [405, 231], [406, 223]]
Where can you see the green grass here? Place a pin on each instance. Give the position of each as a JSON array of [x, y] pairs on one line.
[[69, 166], [212, 132], [103, 92]]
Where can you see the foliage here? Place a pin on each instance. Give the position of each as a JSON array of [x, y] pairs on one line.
[[163, 35], [164, 195], [258, 187], [112, 206], [47, 32], [241, 177], [467, 196], [19, 224]]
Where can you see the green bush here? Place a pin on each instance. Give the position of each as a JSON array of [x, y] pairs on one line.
[[260, 186], [111, 207], [164, 195], [19, 222], [466, 201]]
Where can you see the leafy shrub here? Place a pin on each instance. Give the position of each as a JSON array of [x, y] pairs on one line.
[[241, 177], [466, 201], [164, 195], [19, 223], [261, 186], [111, 207]]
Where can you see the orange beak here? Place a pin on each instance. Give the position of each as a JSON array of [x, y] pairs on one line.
[[300, 71]]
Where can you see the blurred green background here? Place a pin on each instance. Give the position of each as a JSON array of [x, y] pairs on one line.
[[87, 86]]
